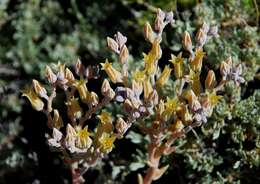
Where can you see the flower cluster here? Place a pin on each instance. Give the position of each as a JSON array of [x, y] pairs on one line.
[[77, 143], [166, 118], [162, 118]]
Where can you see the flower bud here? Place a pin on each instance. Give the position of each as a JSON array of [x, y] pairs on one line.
[[159, 21], [93, 99], [147, 87], [226, 67], [148, 32], [41, 91], [187, 44], [112, 44], [61, 74], [120, 39], [210, 81], [70, 138], [106, 90], [194, 103], [124, 54], [36, 102], [153, 98], [50, 76], [127, 106], [69, 76], [70, 130], [205, 27], [74, 109], [201, 38], [79, 68], [57, 120], [164, 76], [121, 126], [137, 88]]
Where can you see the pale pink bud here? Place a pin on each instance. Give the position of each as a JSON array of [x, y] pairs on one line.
[[93, 99], [210, 81], [69, 75], [187, 44], [49, 75], [39, 89], [148, 32], [120, 40], [106, 90], [112, 44], [124, 54], [79, 68], [121, 126], [201, 38], [128, 107], [57, 120]]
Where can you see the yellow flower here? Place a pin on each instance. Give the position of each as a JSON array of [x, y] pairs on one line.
[[171, 104], [57, 120], [196, 63], [83, 91], [178, 65], [83, 137], [177, 126], [105, 117], [36, 102], [69, 76], [107, 142], [170, 107], [74, 109], [194, 78], [114, 75], [213, 98], [149, 64], [210, 81], [138, 75], [151, 58], [156, 51], [164, 76], [147, 87]]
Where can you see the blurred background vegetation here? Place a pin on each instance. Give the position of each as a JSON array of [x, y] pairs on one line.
[[34, 33]]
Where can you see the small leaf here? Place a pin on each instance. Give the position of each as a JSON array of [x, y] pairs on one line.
[[236, 165], [134, 137], [136, 165], [216, 134]]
